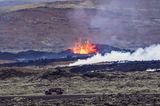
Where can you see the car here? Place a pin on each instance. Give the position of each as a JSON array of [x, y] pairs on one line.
[[52, 91]]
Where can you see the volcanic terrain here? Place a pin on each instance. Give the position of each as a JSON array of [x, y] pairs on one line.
[[56, 26], [37, 53]]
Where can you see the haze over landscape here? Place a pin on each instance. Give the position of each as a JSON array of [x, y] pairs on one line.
[[46, 26]]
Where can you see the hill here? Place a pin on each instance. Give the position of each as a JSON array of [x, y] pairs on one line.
[[56, 26]]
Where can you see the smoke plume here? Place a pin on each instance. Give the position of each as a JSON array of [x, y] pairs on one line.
[[142, 54], [120, 23]]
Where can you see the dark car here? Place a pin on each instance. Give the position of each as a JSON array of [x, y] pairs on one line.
[[52, 91]]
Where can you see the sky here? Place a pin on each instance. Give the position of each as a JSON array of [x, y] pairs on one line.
[[16, 2], [28, 0]]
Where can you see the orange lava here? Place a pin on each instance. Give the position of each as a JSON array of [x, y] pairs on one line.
[[84, 48]]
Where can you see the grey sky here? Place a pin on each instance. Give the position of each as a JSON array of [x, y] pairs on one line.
[[17, 2], [29, 0]]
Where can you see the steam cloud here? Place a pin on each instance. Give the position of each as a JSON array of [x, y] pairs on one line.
[[149, 53]]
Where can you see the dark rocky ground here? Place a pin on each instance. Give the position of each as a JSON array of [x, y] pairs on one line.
[[110, 88], [103, 100]]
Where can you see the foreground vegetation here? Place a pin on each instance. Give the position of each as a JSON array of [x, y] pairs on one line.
[[21, 83], [110, 84]]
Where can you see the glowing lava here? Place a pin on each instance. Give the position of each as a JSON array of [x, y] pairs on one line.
[[84, 48]]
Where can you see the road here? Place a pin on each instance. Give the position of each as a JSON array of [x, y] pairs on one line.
[[46, 97], [79, 96]]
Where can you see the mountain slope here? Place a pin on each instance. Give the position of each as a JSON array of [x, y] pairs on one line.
[[56, 26]]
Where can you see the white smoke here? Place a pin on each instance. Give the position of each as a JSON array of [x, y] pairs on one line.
[[149, 53]]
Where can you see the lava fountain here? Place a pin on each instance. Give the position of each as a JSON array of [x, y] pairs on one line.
[[85, 47]]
